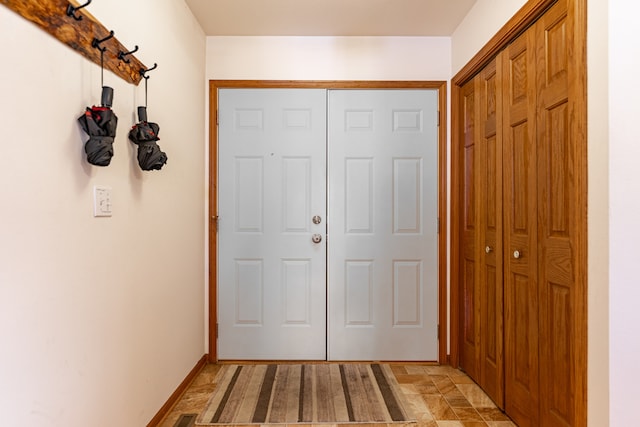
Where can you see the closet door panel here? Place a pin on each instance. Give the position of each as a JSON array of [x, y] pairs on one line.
[[490, 236], [520, 231], [469, 354], [557, 172]]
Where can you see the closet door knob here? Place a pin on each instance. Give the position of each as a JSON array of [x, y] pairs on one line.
[[488, 249], [516, 254]]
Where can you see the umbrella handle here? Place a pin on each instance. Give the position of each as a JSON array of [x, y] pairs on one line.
[[142, 114], [107, 96]]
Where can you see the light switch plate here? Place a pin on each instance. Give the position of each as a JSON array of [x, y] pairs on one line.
[[101, 201]]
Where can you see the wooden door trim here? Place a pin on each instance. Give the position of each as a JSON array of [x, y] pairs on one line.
[[578, 93], [527, 15], [441, 86]]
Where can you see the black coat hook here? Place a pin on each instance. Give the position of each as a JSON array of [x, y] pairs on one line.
[[121, 55], [71, 10], [96, 43], [143, 71]]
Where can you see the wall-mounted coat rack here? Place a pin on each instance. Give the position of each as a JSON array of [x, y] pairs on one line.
[[77, 28]]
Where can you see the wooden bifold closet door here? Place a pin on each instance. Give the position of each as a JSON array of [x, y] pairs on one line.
[[520, 302], [520, 185]]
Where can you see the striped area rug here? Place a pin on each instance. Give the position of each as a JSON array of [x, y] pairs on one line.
[[305, 394]]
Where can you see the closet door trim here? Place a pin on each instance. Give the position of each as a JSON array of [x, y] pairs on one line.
[[527, 15]]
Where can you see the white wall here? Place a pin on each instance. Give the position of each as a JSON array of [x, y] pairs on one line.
[[624, 193], [329, 58], [482, 22], [100, 318]]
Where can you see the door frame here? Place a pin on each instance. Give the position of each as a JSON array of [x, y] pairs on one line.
[[441, 86]]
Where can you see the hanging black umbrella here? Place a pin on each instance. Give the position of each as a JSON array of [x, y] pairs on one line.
[[100, 124], [145, 134]]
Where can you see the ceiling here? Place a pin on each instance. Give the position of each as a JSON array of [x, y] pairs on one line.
[[329, 17]]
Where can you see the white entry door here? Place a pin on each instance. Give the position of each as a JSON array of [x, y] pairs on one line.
[[383, 225], [381, 239], [272, 183]]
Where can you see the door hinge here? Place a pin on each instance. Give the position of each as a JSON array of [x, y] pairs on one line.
[[438, 118], [438, 332], [217, 330], [438, 225], [218, 120]]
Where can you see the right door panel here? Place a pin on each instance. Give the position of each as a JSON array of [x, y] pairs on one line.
[[382, 241]]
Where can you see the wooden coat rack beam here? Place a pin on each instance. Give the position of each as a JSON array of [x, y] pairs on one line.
[[51, 16]]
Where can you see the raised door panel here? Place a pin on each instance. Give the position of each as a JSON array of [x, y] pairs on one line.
[[520, 231], [558, 151], [489, 199], [470, 325]]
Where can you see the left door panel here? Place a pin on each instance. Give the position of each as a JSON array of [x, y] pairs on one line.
[[271, 176]]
